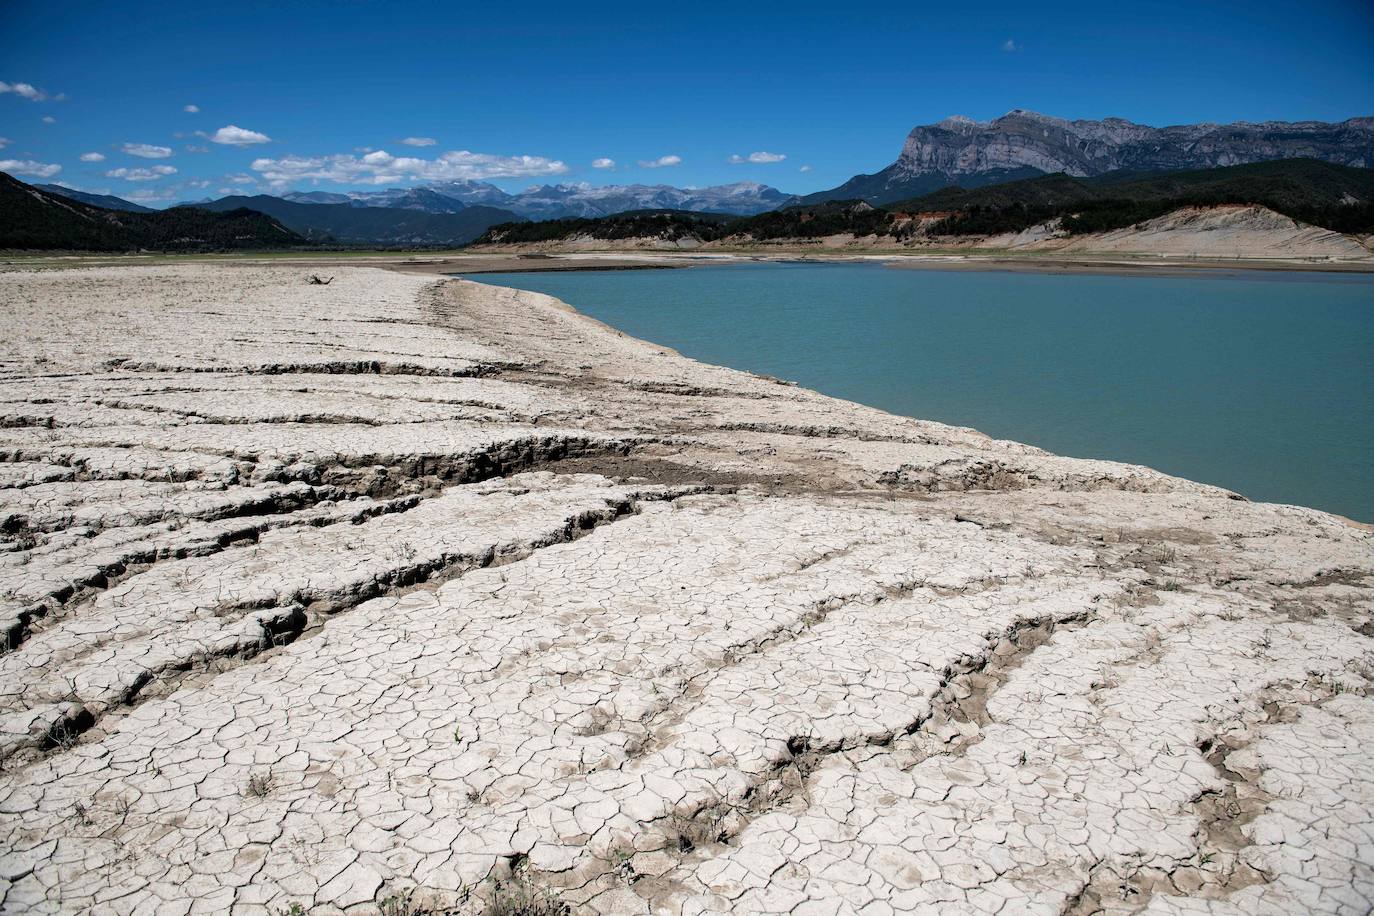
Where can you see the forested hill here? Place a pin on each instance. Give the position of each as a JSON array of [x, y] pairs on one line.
[[354, 225], [1323, 194], [31, 218]]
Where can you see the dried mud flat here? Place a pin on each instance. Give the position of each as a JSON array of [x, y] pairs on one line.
[[398, 594]]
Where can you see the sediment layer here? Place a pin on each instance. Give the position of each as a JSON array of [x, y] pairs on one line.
[[404, 589]]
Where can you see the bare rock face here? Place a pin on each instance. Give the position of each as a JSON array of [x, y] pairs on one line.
[[396, 596], [959, 146], [1022, 144]]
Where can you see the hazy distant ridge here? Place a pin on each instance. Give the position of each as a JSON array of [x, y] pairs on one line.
[[743, 198]]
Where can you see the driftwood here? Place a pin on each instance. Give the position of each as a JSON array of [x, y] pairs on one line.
[[316, 281]]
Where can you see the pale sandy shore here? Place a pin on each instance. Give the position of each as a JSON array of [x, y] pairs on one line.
[[517, 259], [318, 596]]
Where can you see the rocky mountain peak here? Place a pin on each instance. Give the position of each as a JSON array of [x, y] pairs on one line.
[[1022, 143]]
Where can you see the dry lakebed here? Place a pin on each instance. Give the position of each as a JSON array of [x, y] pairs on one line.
[[405, 594]]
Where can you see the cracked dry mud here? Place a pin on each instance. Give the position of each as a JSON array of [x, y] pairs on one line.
[[317, 596]]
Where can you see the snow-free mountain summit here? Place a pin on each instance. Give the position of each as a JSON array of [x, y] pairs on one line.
[[1023, 144]]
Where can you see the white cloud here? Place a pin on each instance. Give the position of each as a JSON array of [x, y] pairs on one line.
[[380, 167], [4, 142], [92, 157], [148, 174], [148, 195], [192, 148], [1008, 45], [603, 163], [238, 136], [660, 162], [49, 119], [805, 168], [146, 150], [191, 109], [419, 141], [760, 157], [29, 167], [242, 179], [28, 91]]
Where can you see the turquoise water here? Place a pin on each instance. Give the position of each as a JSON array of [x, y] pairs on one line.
[[1261, 383]]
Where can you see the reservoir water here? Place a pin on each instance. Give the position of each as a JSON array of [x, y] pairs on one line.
[[1262, 383]]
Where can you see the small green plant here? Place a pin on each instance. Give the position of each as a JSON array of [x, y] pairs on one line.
[[294, 909], [518, 896], [625, 867], [704, 827], [64, 735], [1171, 586], [1206, 858], [260, 783], [410, 902]]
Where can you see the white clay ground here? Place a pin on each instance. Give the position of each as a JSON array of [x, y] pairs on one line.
[[402, 595]]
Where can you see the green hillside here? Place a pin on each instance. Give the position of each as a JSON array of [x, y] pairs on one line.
[[104, 201], [670, 225], [348, 224], [31, 218], [1323, 194], [676, 225]]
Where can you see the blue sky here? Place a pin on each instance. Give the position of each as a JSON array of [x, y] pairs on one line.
[[307, 94]]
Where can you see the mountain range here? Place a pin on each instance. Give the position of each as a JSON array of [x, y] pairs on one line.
[[957, 152], [1324, 194], [1022, 144], [564, 200]]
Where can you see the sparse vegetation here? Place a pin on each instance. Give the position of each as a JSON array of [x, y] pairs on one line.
[[519, 896], [260, 783], [413, 902], [700, 829]]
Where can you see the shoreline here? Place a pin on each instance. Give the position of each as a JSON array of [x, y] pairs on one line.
[[1088, 264], [476, 263], [563, 305], [408, 581]]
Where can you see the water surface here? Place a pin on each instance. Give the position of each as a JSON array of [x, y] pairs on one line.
[[1259, 382]]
